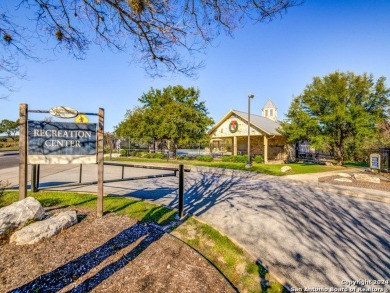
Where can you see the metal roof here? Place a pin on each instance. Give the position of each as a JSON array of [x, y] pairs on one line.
[[265, 124], [261, 122], [269, 104]]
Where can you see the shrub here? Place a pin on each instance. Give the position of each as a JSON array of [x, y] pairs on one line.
[[188, 158], [259, 159], [148, 156], [204, 158], [139, 154], [123, 153], [235, 159], [158, 156]]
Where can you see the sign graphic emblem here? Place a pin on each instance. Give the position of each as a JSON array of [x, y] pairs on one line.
[[63, 112], [233, 126], [81, 118]]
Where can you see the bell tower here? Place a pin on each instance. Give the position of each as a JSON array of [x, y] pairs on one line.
[[270, 111]]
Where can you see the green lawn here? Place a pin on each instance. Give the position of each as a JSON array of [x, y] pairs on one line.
[[356, 164], [13, 148], [271, 169], [236, 265], [240, 268], [136, 209]]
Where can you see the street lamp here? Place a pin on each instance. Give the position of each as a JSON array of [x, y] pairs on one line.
[[249, 163]]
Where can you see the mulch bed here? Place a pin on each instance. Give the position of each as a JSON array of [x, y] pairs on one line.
[[109, 254], [384, 184]]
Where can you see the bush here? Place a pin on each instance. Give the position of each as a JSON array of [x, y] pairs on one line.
[[204, 158], [235, 159], [158, 156], [123, 153], [139, 154], [259, 159], [147, 156], [188, 158]]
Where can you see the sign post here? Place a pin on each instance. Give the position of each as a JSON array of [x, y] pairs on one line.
[[23, 151], [100, 159]]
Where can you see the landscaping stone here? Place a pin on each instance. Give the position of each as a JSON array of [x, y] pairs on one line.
[[343, 180], [44, 229], [285, 169], [366, 178], [20, 212], [328, 164], [344, 175]]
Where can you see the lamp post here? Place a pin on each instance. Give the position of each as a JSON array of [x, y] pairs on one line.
[[249, 163]]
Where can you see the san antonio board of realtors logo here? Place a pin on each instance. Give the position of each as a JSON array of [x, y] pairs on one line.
[[233, 126]]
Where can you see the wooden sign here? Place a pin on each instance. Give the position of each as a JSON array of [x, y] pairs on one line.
[[61, 143], [42, 142]]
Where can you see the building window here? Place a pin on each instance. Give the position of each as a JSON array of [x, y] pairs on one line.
[[271, 112], [266, 113]]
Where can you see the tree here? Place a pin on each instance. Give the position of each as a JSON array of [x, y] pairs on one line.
[[10, 128], [163, 35], [340, 113], [173, 113], [384, 133]]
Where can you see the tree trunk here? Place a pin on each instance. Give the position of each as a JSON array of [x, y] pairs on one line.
[[339, 155], [174, 147]]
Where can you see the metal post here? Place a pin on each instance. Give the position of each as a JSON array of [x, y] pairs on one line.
[[249, 163], [100, 160], [23, 108], [33, 178], [81, 173], [181, 190], [123, 172], [38, 174]]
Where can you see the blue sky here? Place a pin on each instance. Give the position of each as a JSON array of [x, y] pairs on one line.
[[273, 61]]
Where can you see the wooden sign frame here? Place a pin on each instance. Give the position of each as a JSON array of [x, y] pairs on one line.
[[23, 142]]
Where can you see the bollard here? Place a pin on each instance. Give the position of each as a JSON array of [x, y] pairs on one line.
[[38, 174], [80, 173], [33, 177], [181, 190]]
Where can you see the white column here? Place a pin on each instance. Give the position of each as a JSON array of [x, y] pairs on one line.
[[265, 149], [235, 145]]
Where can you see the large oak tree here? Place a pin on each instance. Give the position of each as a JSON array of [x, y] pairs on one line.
[[173, 114], [340, 113]]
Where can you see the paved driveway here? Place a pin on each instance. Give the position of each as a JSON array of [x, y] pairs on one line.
[[306, 236]]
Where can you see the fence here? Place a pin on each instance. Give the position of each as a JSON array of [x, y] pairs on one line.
[[385, 159], [35, 178]]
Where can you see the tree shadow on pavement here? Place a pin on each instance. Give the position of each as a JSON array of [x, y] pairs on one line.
[[325, 237], [304, 234]]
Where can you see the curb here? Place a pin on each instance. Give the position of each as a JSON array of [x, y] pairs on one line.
[[357, 192], [360, 192]]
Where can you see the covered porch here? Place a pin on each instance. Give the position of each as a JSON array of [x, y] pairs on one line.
[[270, 148]]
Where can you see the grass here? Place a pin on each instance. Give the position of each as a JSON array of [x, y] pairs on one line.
[[136, 209], [236, 265], [355, 164], [271, 169], [11, 148], [230, 259]]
